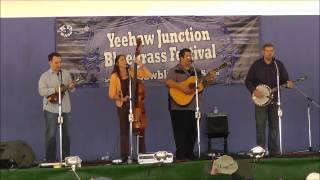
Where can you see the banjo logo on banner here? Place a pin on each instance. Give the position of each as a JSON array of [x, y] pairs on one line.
[[89, 45]]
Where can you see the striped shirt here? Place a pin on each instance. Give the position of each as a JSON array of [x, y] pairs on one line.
[[49, 80]]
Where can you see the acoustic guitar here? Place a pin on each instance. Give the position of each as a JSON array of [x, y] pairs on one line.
[[184, 99]]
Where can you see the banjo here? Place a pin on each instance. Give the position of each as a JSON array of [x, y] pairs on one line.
[[267, 93]]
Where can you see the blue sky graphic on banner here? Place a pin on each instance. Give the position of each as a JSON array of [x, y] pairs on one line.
[[89, 45]]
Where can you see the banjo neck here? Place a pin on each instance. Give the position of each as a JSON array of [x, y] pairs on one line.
[[285, 84], [281, 86]]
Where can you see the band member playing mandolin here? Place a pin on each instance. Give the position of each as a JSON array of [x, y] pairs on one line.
[[48, 88], [182, 114], [263, 71], [119, 92]]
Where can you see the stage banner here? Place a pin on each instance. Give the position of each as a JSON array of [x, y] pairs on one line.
[[89, 45]]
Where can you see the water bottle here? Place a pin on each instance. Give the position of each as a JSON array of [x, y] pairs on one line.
[[215, 110], [106, 157]]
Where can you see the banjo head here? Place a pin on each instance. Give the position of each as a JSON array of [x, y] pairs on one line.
[[265, 100]]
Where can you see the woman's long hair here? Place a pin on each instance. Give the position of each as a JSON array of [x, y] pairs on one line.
[[116, 68]]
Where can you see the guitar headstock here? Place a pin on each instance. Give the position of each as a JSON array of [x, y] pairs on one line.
[[216, 70], [223, 65]]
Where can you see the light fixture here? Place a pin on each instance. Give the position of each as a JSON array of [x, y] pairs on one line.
[[257, 152], [73, 162], [313, 176], [161, 156]]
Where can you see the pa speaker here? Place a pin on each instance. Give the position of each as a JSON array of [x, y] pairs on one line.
[[18, 152], [217, 124]]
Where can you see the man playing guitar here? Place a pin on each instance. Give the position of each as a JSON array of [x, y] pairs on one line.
[[183, 116]]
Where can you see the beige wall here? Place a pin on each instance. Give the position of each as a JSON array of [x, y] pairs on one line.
[[46, 8]]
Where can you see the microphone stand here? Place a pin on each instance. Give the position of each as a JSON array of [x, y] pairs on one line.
[[308, 102], [197, 112], [60, 118], [279, 106], [60, 122], [131, 104]]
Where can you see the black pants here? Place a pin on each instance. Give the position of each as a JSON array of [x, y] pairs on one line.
[[184, 127], [51, 132], [264, 115], [123, 114]]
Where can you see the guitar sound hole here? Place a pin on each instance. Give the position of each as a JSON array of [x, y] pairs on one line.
[[192, 85]]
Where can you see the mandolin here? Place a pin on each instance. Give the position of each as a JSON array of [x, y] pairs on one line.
[[54, 98]]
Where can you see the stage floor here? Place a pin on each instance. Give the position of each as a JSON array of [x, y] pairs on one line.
[[268, 169]]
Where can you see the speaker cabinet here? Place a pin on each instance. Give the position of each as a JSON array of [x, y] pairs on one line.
[[217, 125], [18, 152]]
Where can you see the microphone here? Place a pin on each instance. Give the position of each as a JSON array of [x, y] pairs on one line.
[[302, 78], [58, 73]]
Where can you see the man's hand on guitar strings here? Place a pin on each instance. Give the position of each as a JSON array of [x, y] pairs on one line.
[[186, 89]]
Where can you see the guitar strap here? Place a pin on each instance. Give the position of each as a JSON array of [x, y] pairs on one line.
[[179, 71], [191, 72]]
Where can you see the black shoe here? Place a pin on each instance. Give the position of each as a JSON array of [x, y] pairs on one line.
[[51, 161], [180, 160], [124, 160], [274, 154], [192, 157]]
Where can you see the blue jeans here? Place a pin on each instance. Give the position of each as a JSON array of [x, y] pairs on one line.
[[264, 115], [51, 132]]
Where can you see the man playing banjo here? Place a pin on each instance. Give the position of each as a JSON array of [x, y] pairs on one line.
[[261, 78]]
